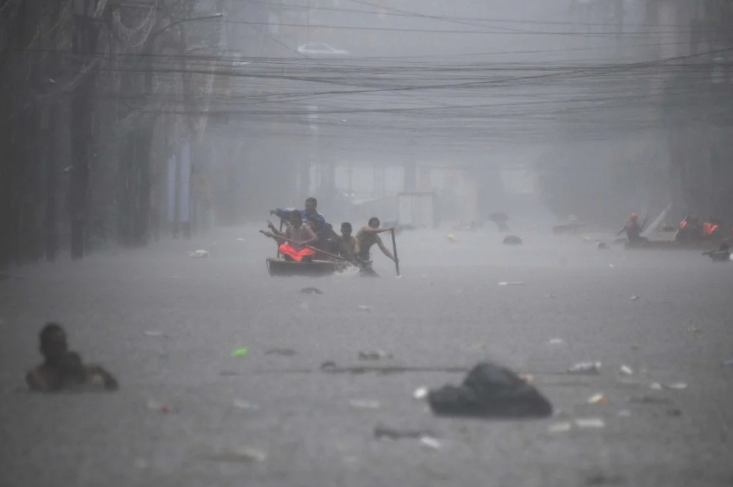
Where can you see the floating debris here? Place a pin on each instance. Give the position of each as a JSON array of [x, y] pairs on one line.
[[590, 423], [365, 404], [649, 399], [382, 431], [311, 290], [420, 393], [239, 455], [598, 399], [375, 355], [430, 442], [626, 370], [511, 283], [634, 298], [656, 386], [490, 391], [156, 406], [527, 378], [328, 365], [198, 254], [559, 427], [585, 368], [246, 405], [365, 307], [240, 352], [286, 352], [512, 240], [557, 341], [676, 385]]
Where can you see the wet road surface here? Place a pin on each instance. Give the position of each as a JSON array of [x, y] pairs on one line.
[[446, 310]]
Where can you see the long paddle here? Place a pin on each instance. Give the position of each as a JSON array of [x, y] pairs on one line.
[[394, 249], [281, 231]]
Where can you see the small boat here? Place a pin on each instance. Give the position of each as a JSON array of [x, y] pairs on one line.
[[315, 268]]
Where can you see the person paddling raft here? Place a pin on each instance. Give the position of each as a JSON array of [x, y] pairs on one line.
[[368, 236], [633, 229], [348, 246], [298, 237]]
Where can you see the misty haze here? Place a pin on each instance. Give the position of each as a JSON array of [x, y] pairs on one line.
[[366, 242]]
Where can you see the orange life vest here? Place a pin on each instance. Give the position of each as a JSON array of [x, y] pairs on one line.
[[708, 228]]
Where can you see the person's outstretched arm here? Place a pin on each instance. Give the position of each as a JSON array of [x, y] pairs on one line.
[[384, 249], [36, 382], [376, 230]]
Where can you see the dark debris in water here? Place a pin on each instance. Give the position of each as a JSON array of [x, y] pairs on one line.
[[285, 352], [383, 431], [311, 290]]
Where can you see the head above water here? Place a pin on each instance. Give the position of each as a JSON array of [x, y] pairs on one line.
[[374, 222], [310, 205], [295, 219], [346, 228], [634, 216], [53, 343]]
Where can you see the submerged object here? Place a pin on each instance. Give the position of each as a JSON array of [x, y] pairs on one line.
[[490, 391], [512, 240]]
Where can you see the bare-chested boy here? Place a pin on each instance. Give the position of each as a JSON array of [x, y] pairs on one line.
[[62, 368], [368, 236]]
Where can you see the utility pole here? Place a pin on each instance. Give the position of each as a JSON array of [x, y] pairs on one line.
[[84, 47]]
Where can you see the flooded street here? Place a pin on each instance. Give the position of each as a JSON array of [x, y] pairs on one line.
[[190, 414]]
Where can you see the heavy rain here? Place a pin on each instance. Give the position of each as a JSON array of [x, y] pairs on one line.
[[366, 242]]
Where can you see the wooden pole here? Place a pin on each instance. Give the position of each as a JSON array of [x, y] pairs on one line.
[[394, 250]]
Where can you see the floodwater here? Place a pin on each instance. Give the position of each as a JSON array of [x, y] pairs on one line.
[[299, 427]]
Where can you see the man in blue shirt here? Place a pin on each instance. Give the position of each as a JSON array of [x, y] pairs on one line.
[[309, 213]]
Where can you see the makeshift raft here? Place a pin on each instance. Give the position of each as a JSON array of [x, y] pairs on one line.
[[315, 268]]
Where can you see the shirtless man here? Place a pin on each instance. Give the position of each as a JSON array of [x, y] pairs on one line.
[[300, 235], [368, 236], [62, 368], [348, 246]]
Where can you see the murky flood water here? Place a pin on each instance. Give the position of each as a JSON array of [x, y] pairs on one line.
[[167, 326]]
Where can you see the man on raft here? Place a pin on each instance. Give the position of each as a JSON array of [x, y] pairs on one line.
[[292, 243]]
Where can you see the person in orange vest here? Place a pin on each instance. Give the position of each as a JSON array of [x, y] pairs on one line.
[[633, 229], [690, 227], [298, 236], [709, 227]]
